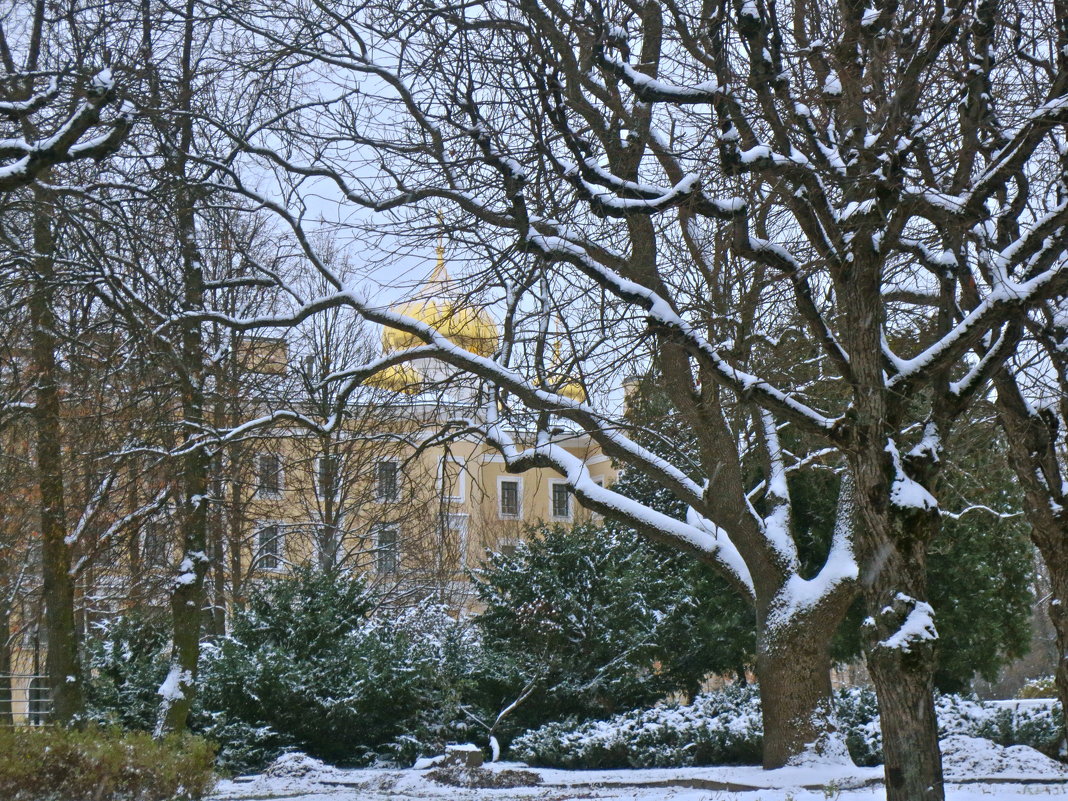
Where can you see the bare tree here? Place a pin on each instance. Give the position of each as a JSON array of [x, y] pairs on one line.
[[52, 99], [869, 168]]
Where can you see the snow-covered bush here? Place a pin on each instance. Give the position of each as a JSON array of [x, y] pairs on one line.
[[1042, 687], [719, 728], [725, 727], [126, 660], [1039, 727], [600, 622], [309, 667]]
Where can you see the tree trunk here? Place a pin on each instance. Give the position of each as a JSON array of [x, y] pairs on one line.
[[900, 648], [64, 672], [794, 672], [1032, 437], [913, 761], [187, 597], [1058, 613]]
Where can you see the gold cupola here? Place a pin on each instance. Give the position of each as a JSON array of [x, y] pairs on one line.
[[469, 326], [564, 384]]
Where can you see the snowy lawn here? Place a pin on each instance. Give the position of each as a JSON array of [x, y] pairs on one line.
[[975, 768]]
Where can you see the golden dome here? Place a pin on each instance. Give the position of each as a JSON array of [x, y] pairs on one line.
[[470, 327], [396, 378]]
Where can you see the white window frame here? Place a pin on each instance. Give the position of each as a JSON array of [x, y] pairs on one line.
[[570, 516], [158, 556], [597, 517], [379, 497], [519, 490], [459, 522], [280, 538], [461, 480], [260, 491], [396, 529]]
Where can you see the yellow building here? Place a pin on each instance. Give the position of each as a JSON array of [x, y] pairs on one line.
[[392, 497], [385, 493]]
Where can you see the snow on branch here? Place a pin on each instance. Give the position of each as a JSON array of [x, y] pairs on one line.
[[651, 90]]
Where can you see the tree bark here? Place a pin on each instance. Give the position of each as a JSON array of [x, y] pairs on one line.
[[900, 646], [904, 683], [64, 670], [1032, 450], [794, 671], [188, 596], [1058, 613]]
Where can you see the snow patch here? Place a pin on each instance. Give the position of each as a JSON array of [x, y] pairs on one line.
[[918, 626], [965, 757], [171, 689]]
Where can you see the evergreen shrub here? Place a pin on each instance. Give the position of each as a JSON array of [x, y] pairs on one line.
[[725, 728], [718, 728], [54, 764], [309, 667], [599, 622]]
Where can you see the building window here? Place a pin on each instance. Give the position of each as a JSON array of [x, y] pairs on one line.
[[387, 550], [387, 481], [268, 475], [327, 545], [456, 524], [326, 476], [508, 547], [509, 498], [559, 500], [451, 477], [594, 516], [269, 547], [154, 544]]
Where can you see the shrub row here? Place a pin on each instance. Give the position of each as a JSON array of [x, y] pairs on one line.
[[54, 764], [725, 727]]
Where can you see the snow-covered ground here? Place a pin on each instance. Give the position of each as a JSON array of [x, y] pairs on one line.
[[976, 770]]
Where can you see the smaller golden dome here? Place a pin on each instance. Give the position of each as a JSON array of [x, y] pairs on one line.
[[572, 390], [397, 378]]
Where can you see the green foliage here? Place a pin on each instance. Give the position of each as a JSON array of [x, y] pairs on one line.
[[307, 666], [980, 578], [53, 764], [1042, 687], [1039, 727], [126, 662], [1042, 728], [600, 621], [725, 727], [720, 728]]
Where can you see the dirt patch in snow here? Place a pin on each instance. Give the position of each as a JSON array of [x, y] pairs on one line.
[[461, 776]]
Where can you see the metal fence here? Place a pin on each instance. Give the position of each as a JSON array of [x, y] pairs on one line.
[[25, 699]]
